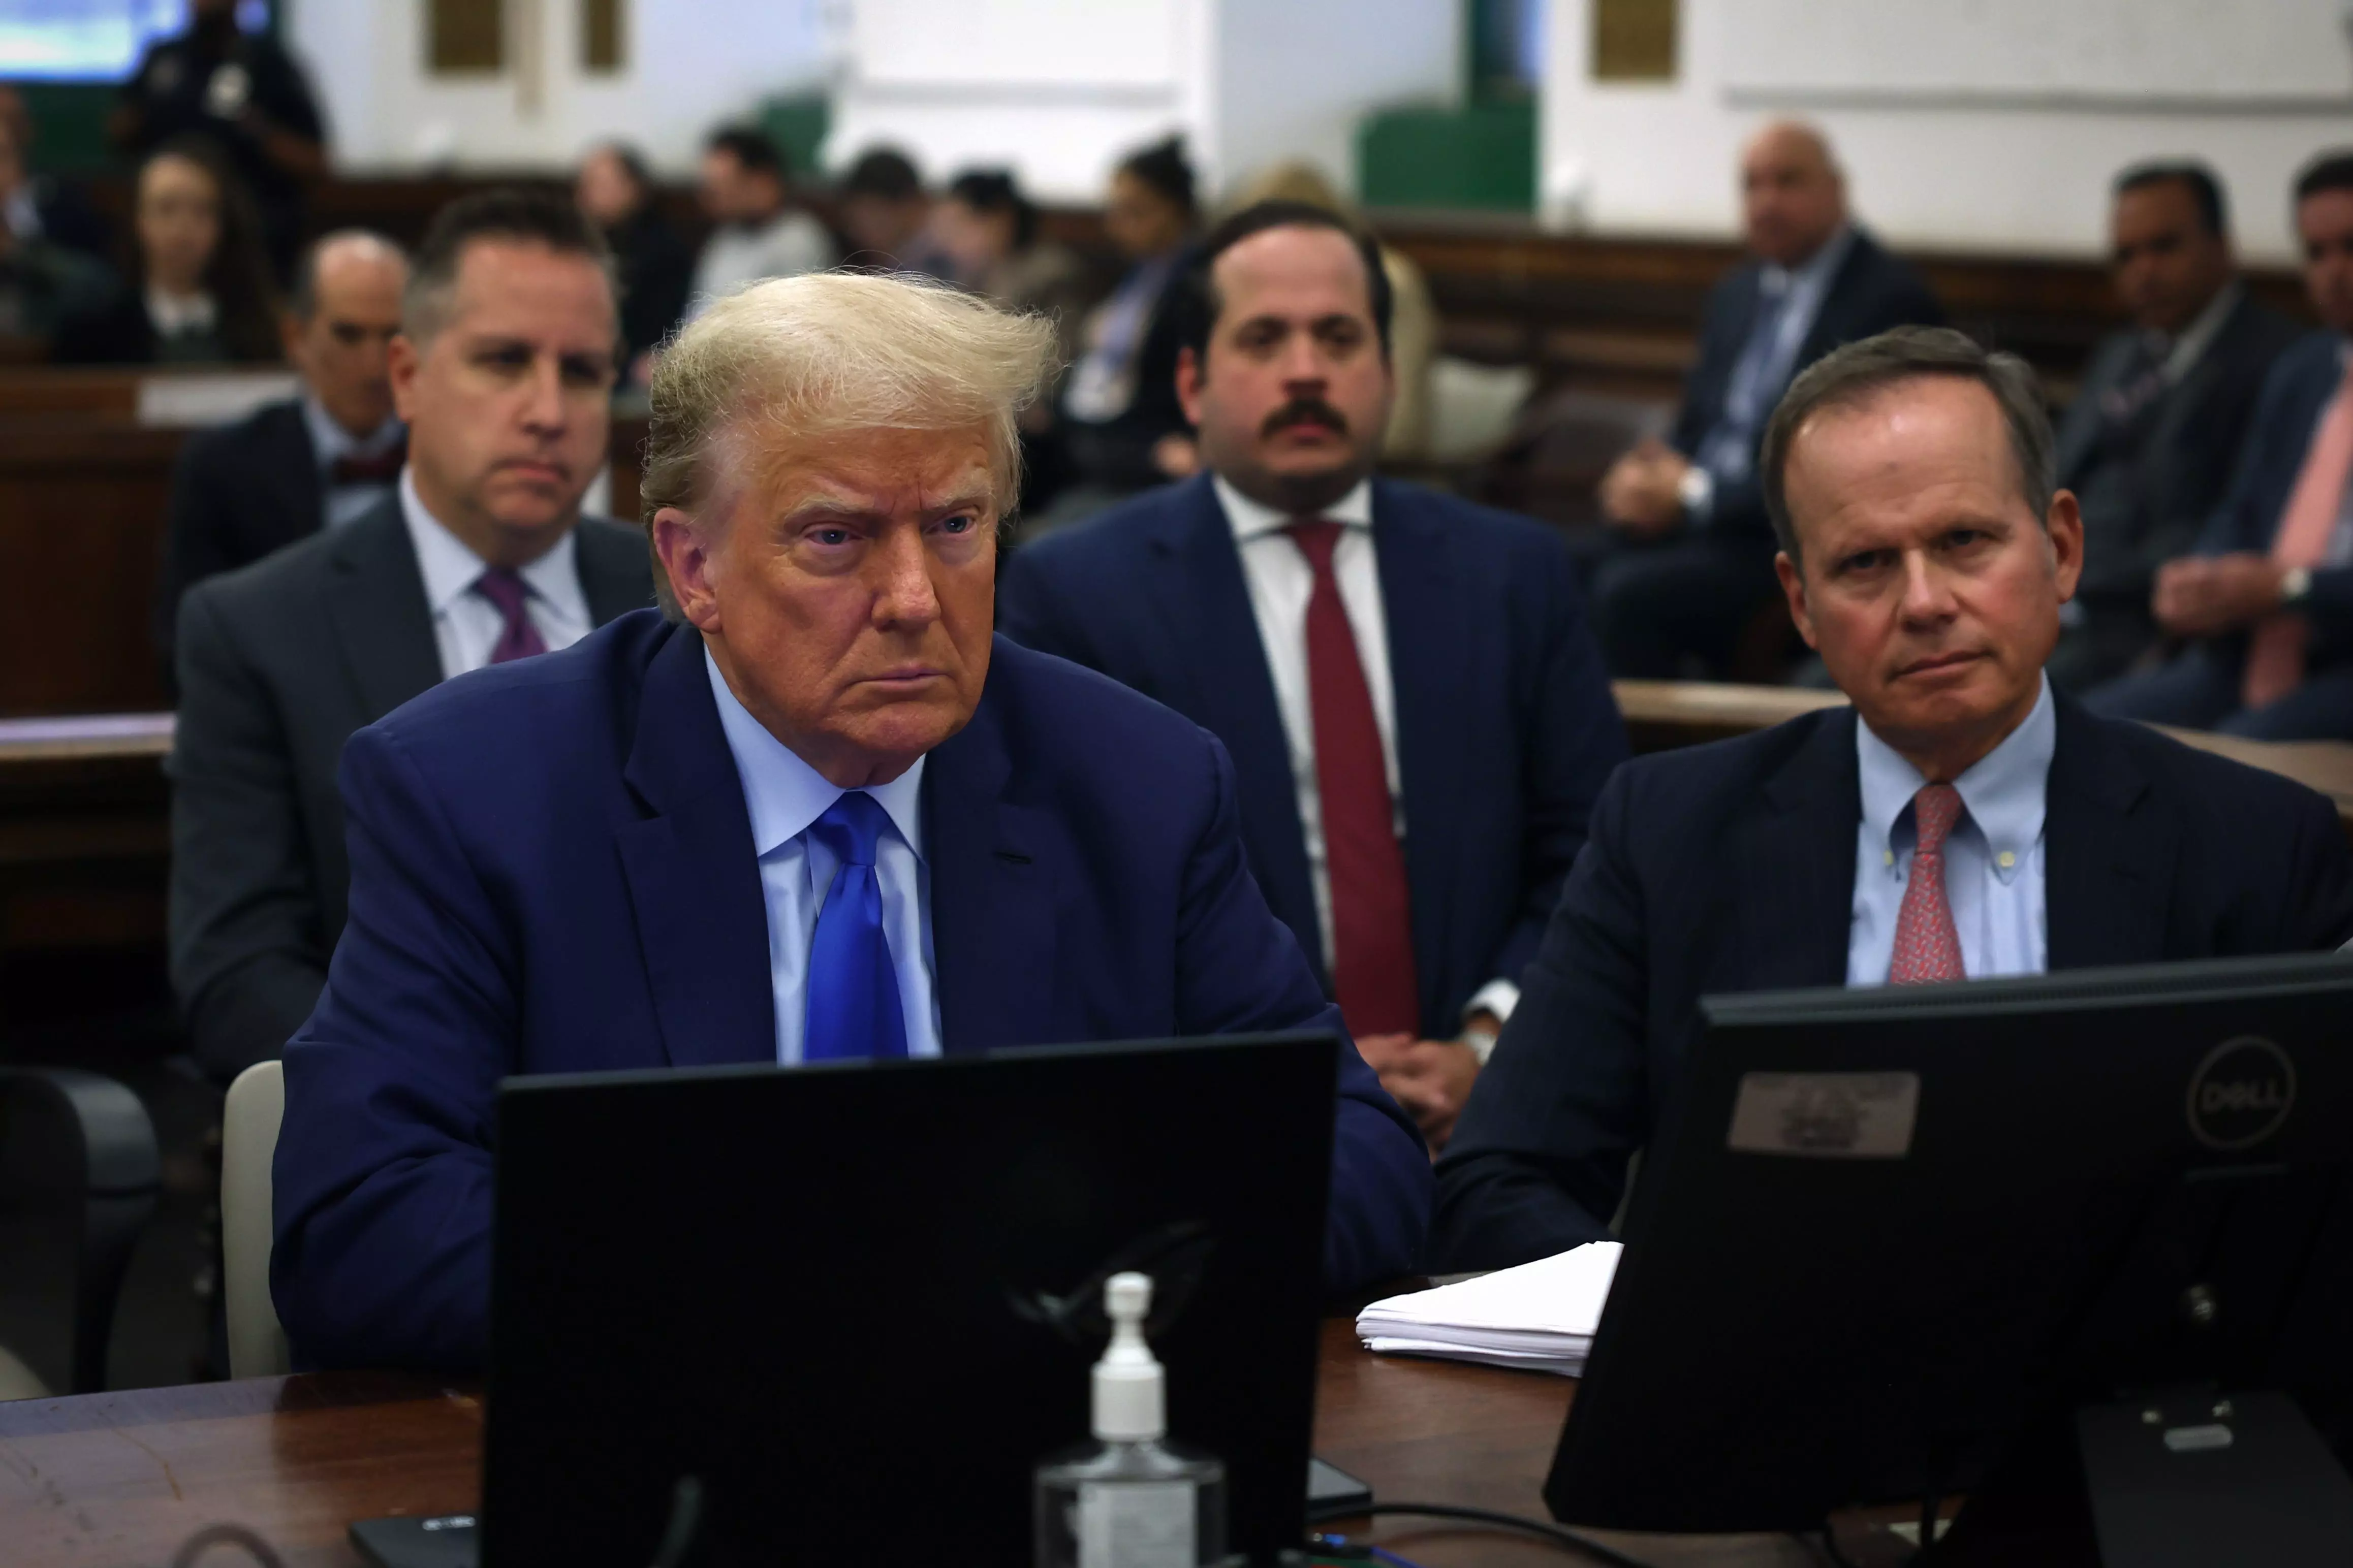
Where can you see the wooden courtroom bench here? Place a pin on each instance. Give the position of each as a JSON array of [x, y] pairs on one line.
[[123, 1478], [85, 831]]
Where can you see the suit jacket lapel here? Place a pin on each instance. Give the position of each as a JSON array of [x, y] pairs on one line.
[[993, 945], [1427, 643], [614, 569], [2108, 855], [1790, 869], [294, 467], [376, 596], [694, 875], [1209, 620]]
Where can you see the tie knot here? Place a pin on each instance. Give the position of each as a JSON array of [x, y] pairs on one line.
[[503, 586], [1933, 811], [1316, 538], [852, 827]]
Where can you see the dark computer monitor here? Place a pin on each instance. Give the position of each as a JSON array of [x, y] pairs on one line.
[[1885, 1233], [860, 1303]]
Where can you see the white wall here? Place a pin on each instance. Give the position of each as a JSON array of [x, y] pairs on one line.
[[1966, 149], [690, 65], [1059, 89]]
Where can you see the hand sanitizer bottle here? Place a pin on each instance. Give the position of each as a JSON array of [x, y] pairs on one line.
[[1129, 1498]]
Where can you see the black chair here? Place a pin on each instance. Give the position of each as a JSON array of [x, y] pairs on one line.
[[115, 1181]]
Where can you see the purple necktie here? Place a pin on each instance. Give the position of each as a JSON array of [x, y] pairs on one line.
[[518, 638]]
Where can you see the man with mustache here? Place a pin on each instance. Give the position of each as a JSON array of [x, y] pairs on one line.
[[1960, 820], [1416, 712], [502, 371]]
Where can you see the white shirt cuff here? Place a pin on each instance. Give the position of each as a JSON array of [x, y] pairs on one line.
[[1497, 996], [1698, 492]]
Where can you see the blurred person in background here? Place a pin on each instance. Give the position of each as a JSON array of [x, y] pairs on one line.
[[1413, 324], [42, 281], [616, 191], [41, 206], [886, 215], [1687, 559], [1126, 430], [756, 232], [315, 461], [243, 94], [2148, 445], [987, 235], [197, 289]]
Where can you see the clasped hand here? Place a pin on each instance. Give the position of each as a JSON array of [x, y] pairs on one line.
[[1642, 493], [2205, 595]]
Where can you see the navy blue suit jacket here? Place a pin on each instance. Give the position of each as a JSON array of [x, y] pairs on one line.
[[1505, 725], [553, 871], [2301, 383], [1731, 867], [1872, 292]]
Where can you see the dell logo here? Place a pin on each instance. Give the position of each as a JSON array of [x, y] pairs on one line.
[[2241, 1094]]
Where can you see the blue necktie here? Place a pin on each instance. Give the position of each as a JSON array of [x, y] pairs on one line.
[[1728, 448], [853, 990]]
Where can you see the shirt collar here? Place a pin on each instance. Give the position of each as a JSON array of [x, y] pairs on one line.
[[450, 568], [330, 440], [2003, 791], [1251, 519], [175, 313], [2186, 351], [23, 212], [783, 794], [1815, 272]]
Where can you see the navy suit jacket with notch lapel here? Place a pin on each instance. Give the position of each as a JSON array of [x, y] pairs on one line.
[[553, 871], [1731, 867], [1505, 725], [238, 493]]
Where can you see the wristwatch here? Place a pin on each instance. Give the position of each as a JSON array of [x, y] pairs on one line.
[[2295, 585], [1481, 1043]]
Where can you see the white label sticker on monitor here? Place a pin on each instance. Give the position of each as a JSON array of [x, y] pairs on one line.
[[1826, 1115]]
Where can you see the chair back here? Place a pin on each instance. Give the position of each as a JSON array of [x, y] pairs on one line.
[[257, 1104]]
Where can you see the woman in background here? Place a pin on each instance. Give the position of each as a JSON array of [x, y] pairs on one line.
[[197, 290]]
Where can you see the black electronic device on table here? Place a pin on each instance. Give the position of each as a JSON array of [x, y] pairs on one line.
[[1891, 1242], [857, 1304]]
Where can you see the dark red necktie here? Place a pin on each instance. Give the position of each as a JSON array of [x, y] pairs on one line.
[[383, 469], [1372, 919], [519, 637]]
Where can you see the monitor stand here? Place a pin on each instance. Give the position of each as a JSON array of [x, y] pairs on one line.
[[2186, 1479]]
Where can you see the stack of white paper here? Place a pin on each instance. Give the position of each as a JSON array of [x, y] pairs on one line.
[[1541, 1316]]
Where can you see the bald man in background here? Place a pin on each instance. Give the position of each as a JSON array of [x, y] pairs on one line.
[[1688, 555], [291, 468]]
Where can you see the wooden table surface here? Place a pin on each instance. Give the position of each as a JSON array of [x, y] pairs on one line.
[[118, 1480]]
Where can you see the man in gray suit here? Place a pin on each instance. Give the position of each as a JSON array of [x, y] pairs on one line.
[[503, 371], [2148, 442]]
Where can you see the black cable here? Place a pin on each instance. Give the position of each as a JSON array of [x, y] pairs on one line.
[[685, 1522], [213, 1535], [1540, 1528], [1830, 1548]]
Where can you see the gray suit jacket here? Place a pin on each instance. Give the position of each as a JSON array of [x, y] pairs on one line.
[[278, 662]]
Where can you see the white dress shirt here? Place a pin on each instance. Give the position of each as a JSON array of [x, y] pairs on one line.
[[1281, 581], [1803, 287], [786, 246], [1993, 858], [330, 441], [784, 795], [172, 314], [466, 626]]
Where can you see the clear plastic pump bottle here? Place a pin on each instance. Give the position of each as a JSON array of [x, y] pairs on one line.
[[1130, 1498]]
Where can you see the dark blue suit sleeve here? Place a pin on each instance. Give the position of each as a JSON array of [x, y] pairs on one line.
[[1239, 969], [1537, 1164], [2274, 439], [1575, 742], [383, 1174]]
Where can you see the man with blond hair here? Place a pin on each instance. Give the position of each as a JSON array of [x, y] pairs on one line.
[[812, 810]]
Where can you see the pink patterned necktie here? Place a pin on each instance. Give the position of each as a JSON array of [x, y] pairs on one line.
[[1926, 946], [2275, 652], [519, 638]]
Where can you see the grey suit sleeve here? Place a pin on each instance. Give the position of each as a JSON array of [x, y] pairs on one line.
[[248, 956]]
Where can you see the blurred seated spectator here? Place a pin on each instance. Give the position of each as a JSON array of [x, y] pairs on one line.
[[1688, 558], [886, 215], [2148, 444], [987, 235], [2267, 602], [242, 93], [197, 290], [1125, 428], [757, 232], [1413, 322], [41, 280], [325, 458], [42, 207], [616, 191]]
